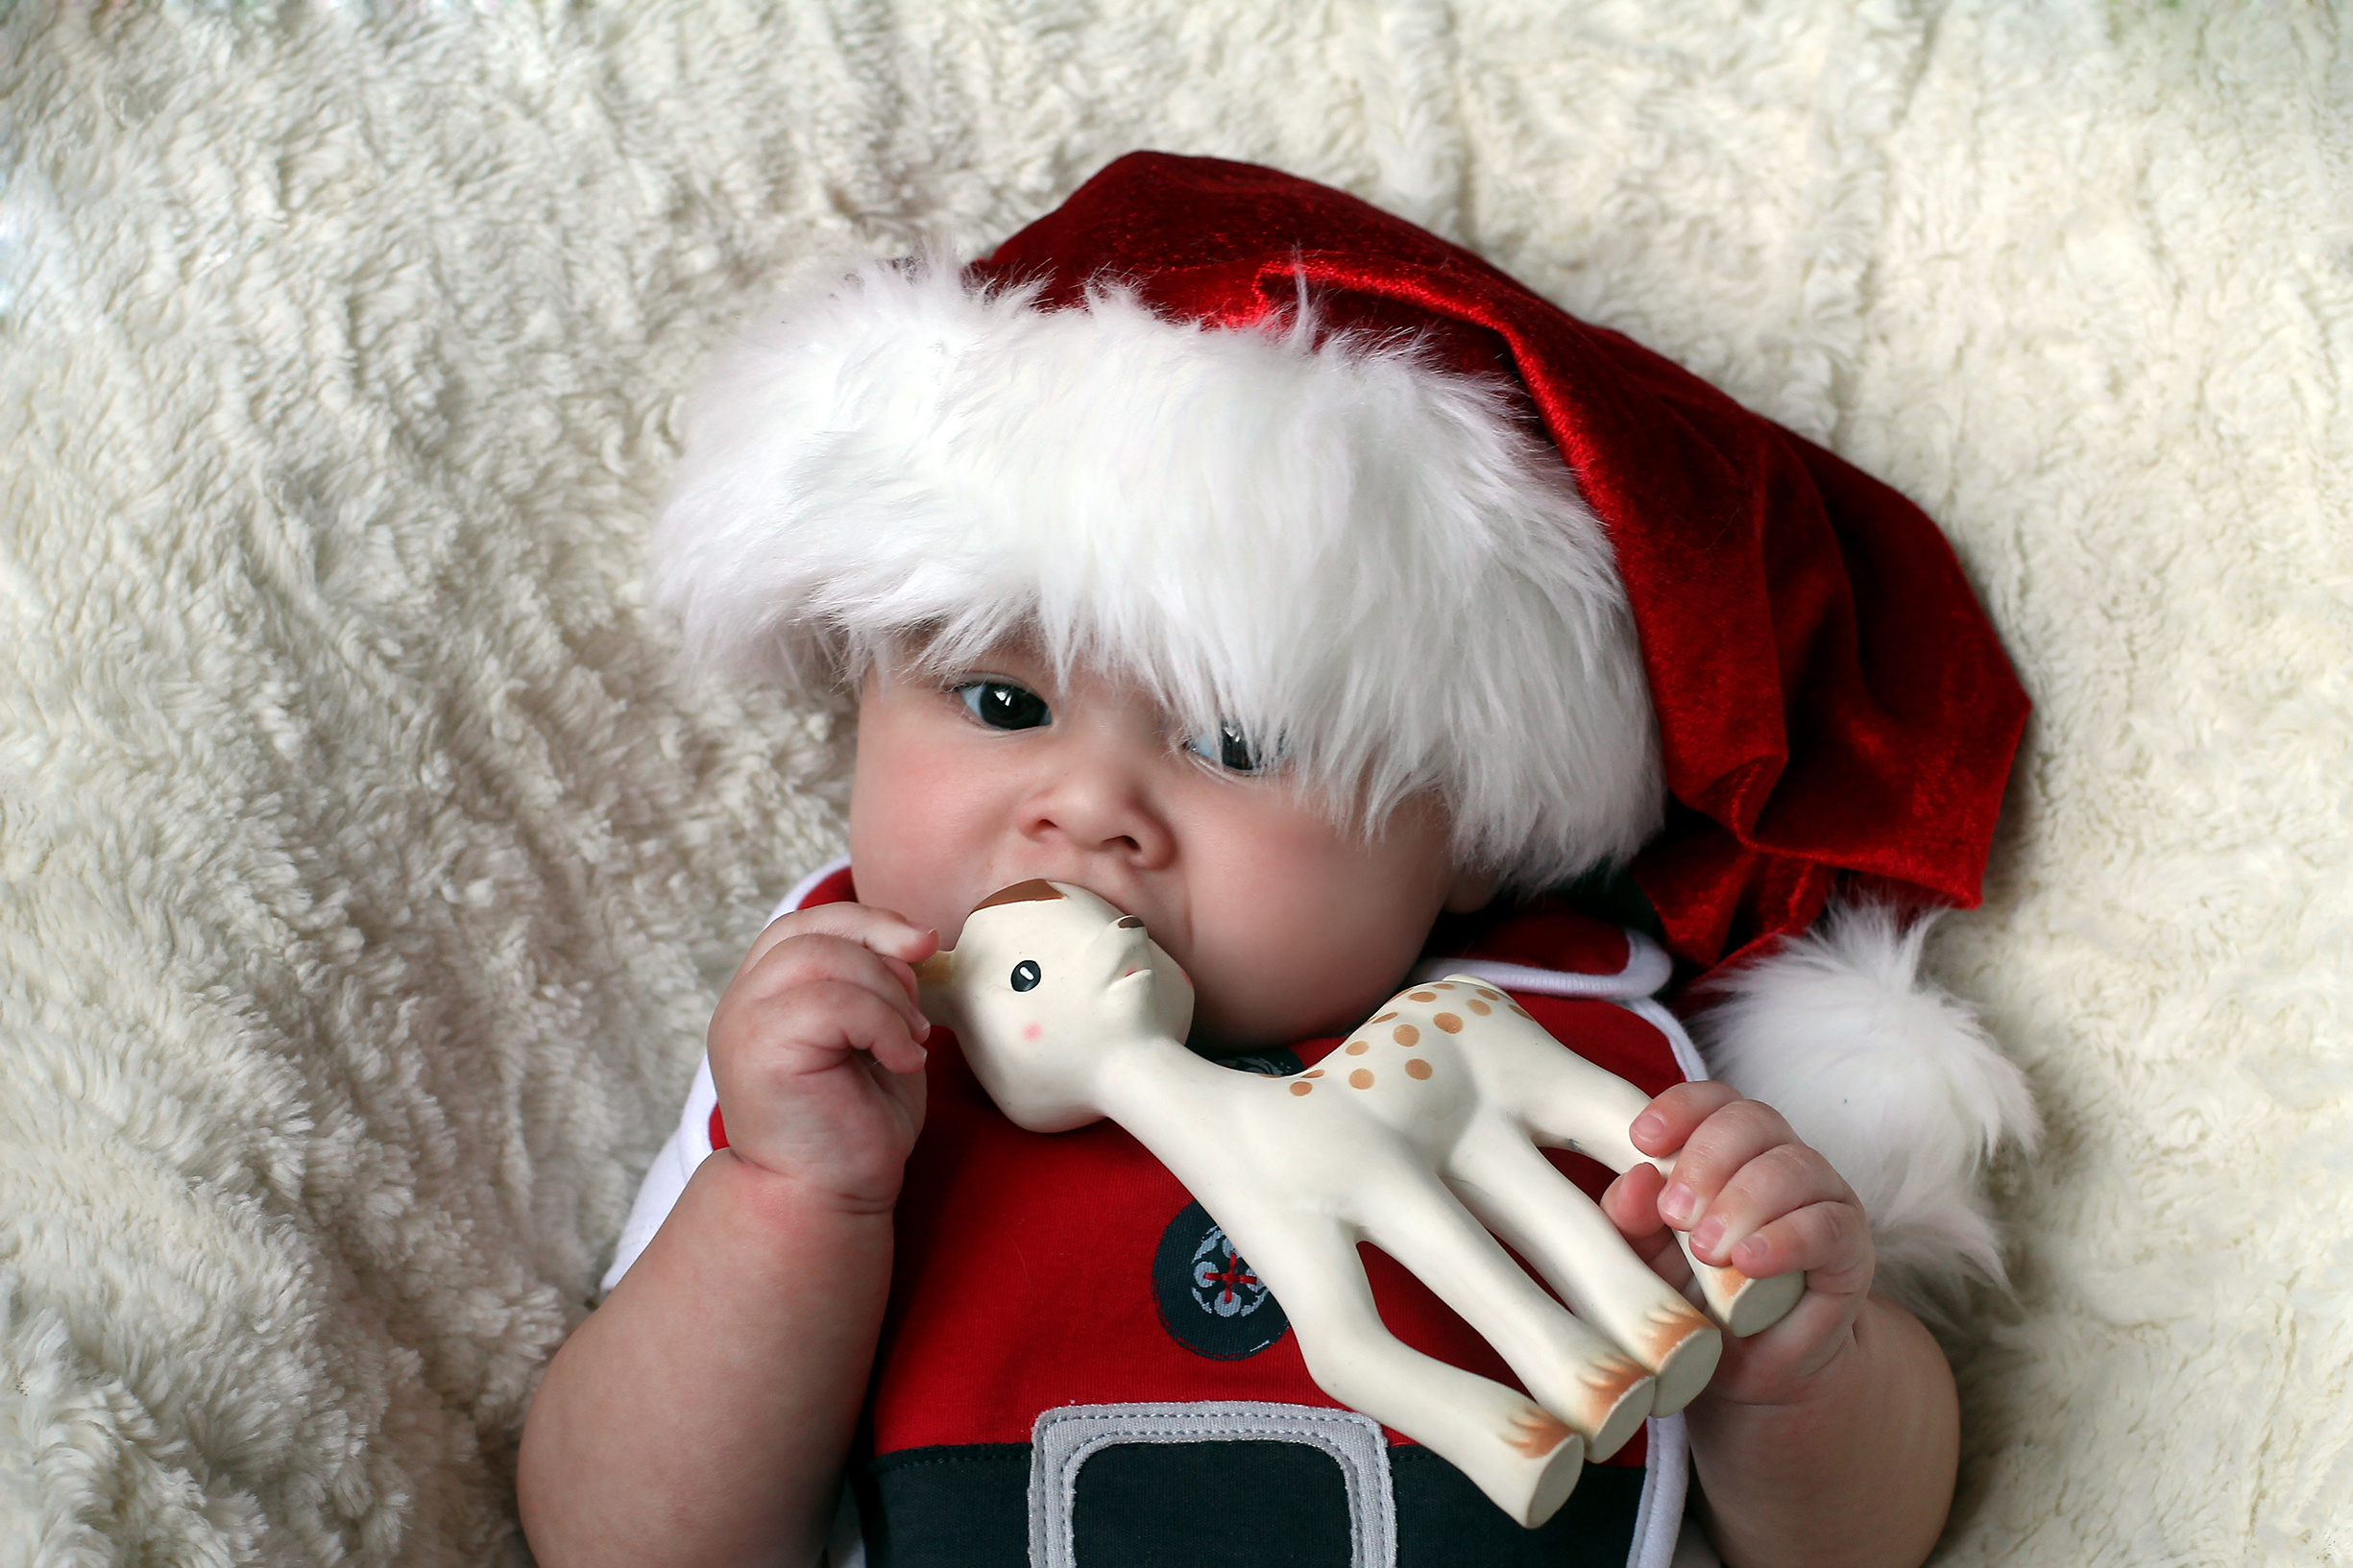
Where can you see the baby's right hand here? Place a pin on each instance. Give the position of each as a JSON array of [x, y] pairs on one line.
[[817, 1052]]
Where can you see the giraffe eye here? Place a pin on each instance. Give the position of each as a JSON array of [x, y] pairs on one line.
[[1027, 974]]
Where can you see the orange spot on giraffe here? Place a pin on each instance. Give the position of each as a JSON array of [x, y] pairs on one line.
[[1357, 1048], [1480, 1007], [1384, 1018], [1303, 1088], [1405, 1034], [1492, 996], [1360, 1078], [1422, 996], [1449, 1023], [1417, 1067]]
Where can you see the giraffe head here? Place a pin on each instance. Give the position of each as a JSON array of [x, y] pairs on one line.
[[1046, 979]]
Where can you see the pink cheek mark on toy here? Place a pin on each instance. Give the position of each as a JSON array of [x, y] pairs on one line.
[[1030, 1031]]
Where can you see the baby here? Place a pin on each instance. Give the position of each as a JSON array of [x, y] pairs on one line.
[[1211, 547]]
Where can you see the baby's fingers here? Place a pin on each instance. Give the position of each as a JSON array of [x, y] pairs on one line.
[[1714, 1154], [1673, 1115], [879, 930], [1779, 1179], [1829, 1240], [1632, 1204], [817, 957], [814, 1026], [824, 1082]]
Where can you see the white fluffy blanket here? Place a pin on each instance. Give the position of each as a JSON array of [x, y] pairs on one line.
[[369, 873]]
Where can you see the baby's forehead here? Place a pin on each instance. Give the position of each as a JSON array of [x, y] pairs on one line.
[[1022, 651]]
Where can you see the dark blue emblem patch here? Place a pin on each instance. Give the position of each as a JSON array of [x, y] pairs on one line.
[[1210, 1299]]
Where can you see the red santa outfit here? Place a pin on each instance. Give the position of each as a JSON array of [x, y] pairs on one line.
[[1300, 467], [1061, 1308]]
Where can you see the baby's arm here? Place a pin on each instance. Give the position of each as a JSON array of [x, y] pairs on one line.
[[1831, 1437], [701, 1414]]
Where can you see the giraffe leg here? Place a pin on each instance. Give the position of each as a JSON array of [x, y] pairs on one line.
[[1517, 1195], [1523, 1458], [1571, 1370], [1568, 1102]]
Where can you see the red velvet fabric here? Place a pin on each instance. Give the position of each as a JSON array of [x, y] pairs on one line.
[[1831, 697]]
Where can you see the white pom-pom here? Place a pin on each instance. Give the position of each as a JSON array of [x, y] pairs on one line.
[[1891, 1078]]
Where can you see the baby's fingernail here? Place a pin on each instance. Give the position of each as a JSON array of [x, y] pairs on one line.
[[1677, 1203], [1706, 1235], [1650, 1124]]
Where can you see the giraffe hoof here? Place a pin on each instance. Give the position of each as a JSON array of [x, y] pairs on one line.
[[1758, 1304], [1683, 1373], [1551, 1458], [1555, 1480]]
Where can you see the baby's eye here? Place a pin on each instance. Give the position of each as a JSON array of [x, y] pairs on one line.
[[1001, 704], [1225, 745]]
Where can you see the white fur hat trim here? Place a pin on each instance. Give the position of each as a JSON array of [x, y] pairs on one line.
[[1321, 537]]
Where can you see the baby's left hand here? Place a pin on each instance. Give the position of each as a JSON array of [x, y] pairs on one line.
[[1754, 1196]]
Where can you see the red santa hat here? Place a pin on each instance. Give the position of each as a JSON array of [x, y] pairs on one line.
[[1305, 467]]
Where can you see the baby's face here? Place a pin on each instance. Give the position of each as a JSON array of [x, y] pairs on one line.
[[1289, 926]]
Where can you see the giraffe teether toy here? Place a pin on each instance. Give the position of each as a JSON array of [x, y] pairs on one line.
[[1420, 1135]]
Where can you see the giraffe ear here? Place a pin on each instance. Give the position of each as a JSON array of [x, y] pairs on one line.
[[937, 972]]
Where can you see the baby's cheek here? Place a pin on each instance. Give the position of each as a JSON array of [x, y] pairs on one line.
[[1300, 929], [1272, 980]]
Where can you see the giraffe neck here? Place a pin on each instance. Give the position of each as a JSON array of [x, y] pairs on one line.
[[1158, 1089]]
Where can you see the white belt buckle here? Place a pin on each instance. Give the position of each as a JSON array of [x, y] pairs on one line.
[[1065, 1439]]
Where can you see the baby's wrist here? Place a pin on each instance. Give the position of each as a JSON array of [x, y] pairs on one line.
[[1806, 1377], [796, 1195], [1806, 1380]]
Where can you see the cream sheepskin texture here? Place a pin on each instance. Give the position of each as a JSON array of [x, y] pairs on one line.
[[370, 869]]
